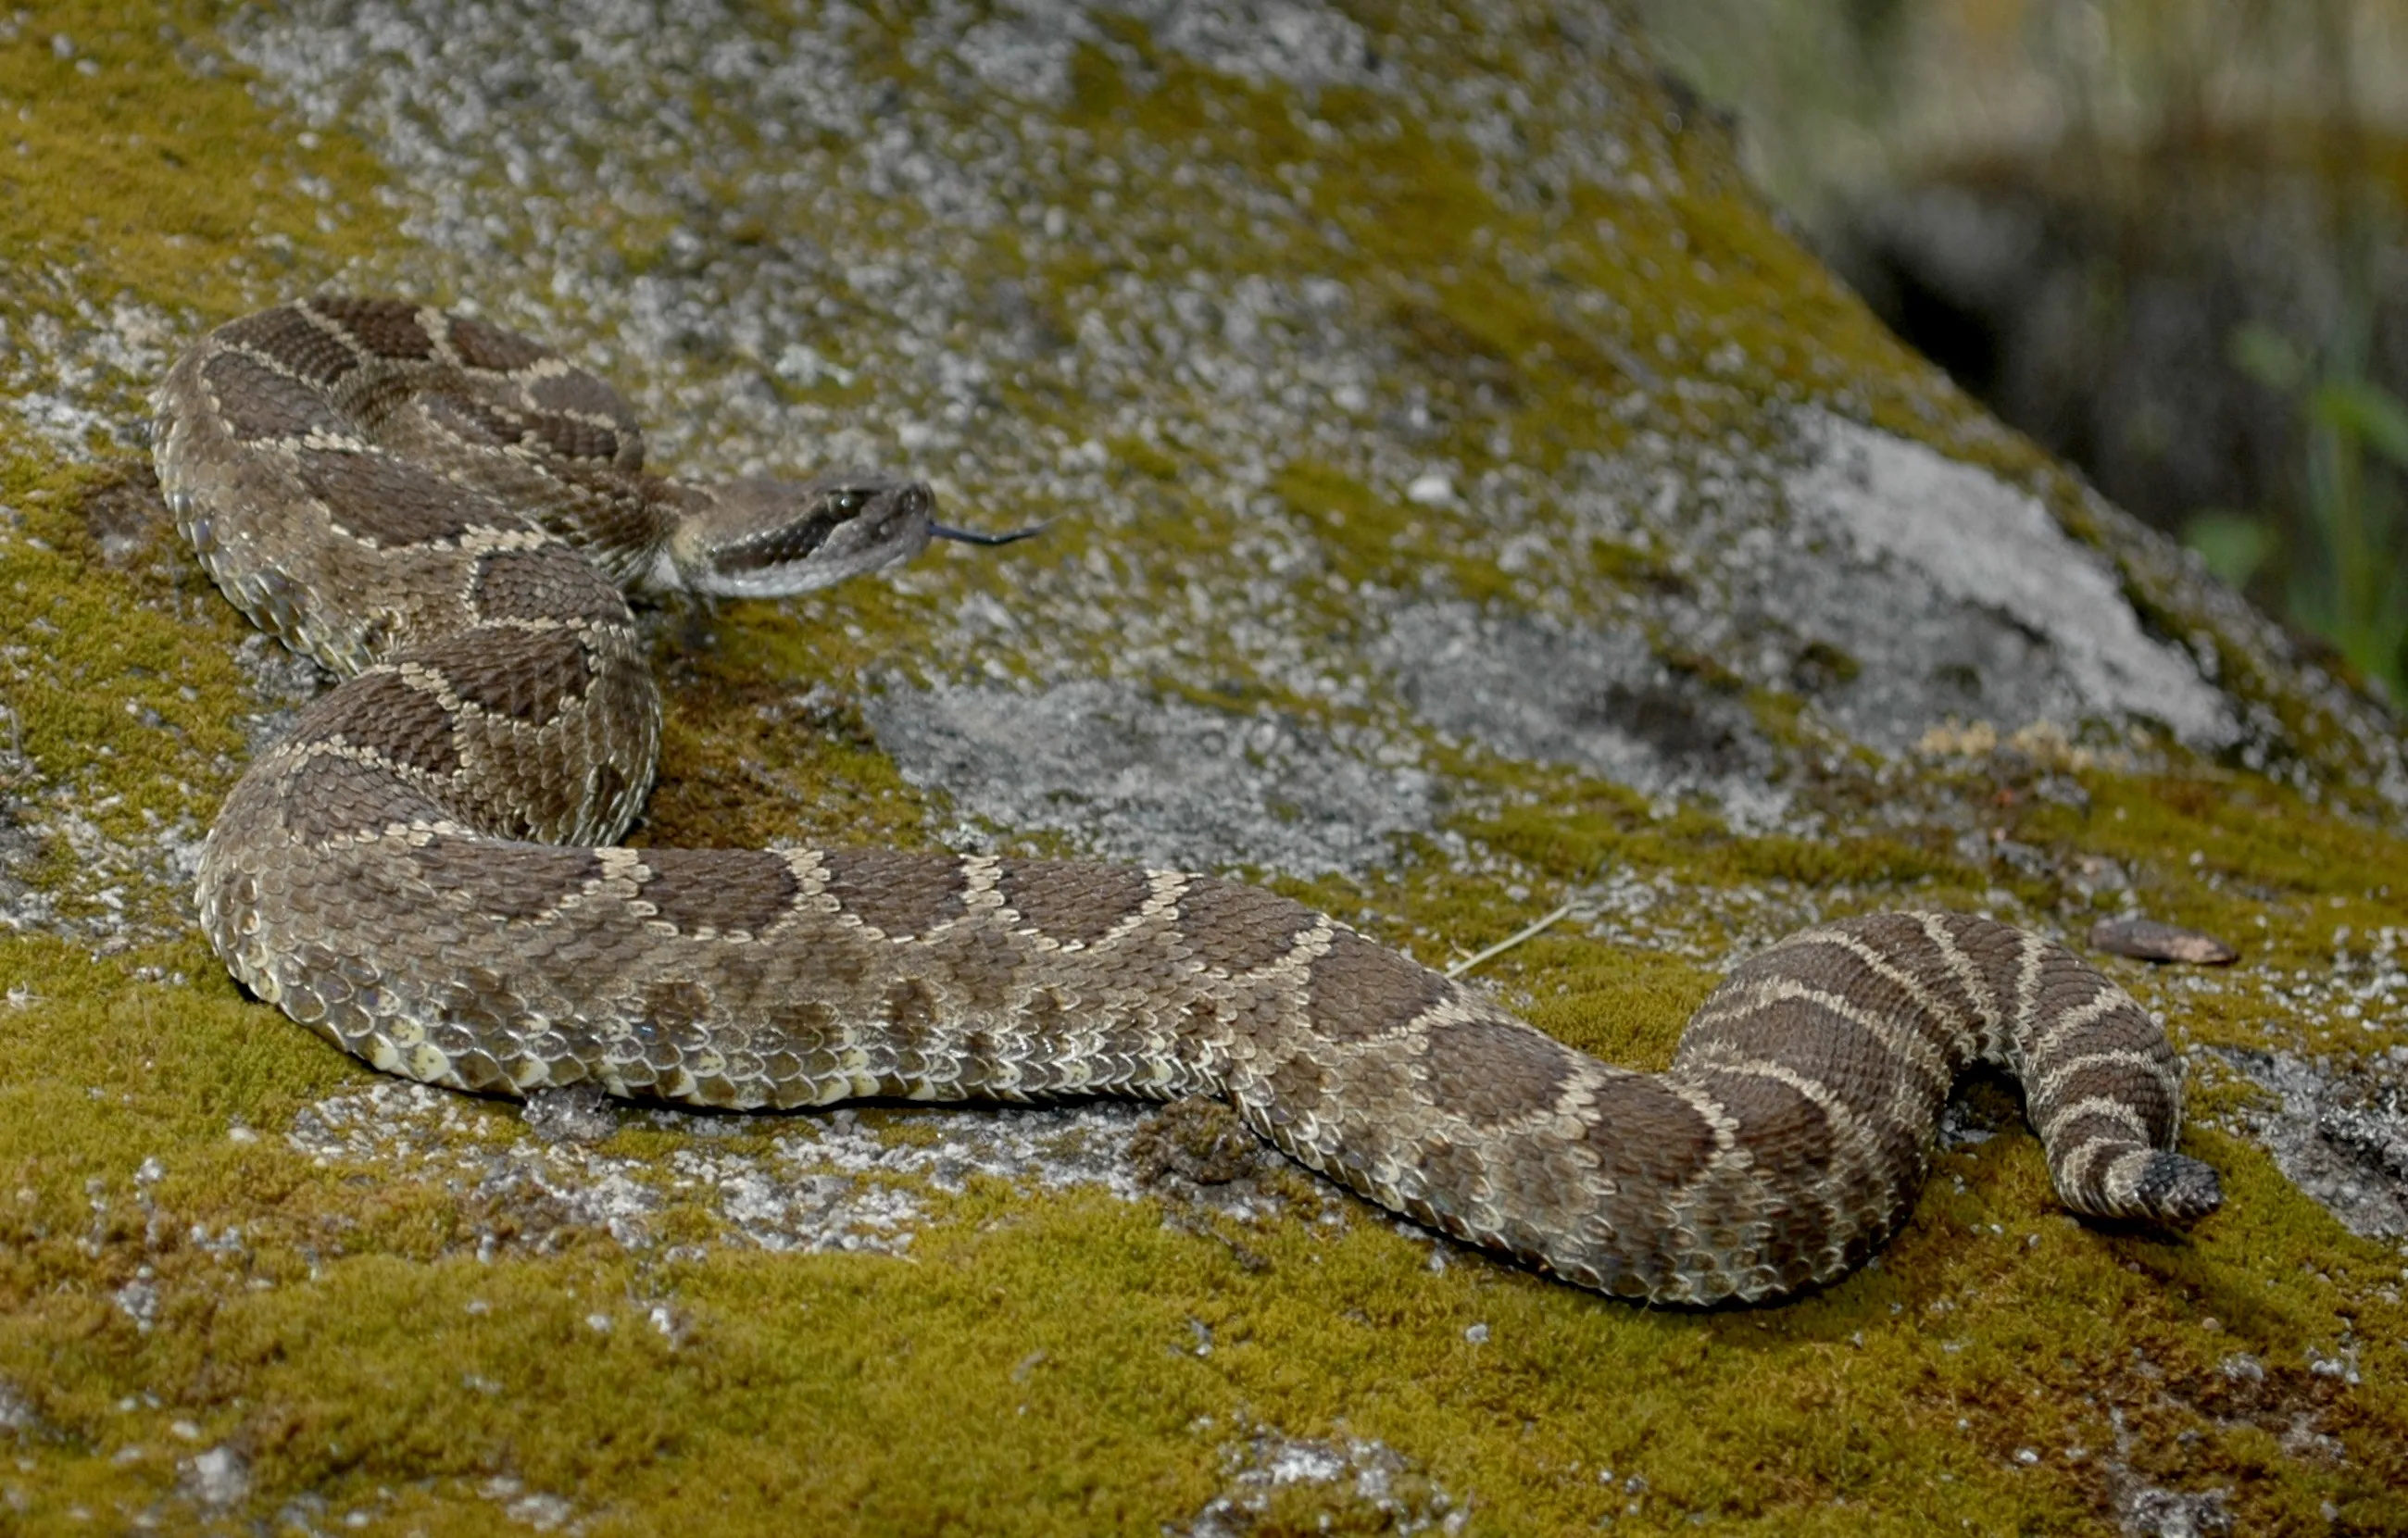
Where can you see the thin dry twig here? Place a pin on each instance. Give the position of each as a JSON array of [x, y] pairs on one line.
[[1459, 968]]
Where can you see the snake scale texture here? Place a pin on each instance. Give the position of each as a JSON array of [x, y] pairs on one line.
[[424, 872]]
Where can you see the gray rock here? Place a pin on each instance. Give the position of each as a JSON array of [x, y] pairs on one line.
[[1966, 598], [2339, 1128], [215, 1478], [1373, 529], [1137, 778]]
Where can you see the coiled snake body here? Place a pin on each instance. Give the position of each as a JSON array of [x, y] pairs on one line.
[[422, 873]]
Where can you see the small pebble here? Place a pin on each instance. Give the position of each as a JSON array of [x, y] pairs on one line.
[[2147, 940]]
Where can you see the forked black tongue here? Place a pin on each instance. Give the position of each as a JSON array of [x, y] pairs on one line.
[[971, 536]]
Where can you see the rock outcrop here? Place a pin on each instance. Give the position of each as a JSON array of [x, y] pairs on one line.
[[1464, 501]]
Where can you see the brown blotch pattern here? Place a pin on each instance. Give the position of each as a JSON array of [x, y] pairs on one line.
[[1072, 902], [1783, 1128], [388, 502], [295, 340], [549, 582], [1825, 1046], [1452, 1172], [526, 681], [472, 421], [328, 795], [2129, 1084], [506, 882], [1645, 1138], [722, 890], [260, 405], [491, 348], [1239, 929], [1045, 1016], [405, 725], [910, 1007], [387, 327], [584, 396], [981, 963], [1360, 990], [899, 893], [560, 436], [1494, 1072], [911, 1027], [1906, 950], [569, 437]]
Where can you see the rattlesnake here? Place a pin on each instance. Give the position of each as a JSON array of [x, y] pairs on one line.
[[422, 872]]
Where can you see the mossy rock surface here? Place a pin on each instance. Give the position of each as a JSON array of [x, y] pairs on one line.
[[1463, 499]]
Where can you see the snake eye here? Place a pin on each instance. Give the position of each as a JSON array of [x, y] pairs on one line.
[[847, 503]]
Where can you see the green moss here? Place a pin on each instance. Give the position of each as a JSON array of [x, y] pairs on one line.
[[1628, 566], [750, 755], [1034, 1366], [1364, 537], [1144, 458], [144, 178]]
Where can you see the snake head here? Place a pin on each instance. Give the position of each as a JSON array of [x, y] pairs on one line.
[[761, 538]]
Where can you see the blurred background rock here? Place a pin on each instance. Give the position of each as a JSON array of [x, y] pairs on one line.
[[2164, 237]]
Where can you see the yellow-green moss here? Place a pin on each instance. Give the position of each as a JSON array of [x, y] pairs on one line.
[[1034, 1366], [143, 176]]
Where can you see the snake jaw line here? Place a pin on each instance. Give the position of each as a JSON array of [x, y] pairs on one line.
[[759, 538]]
